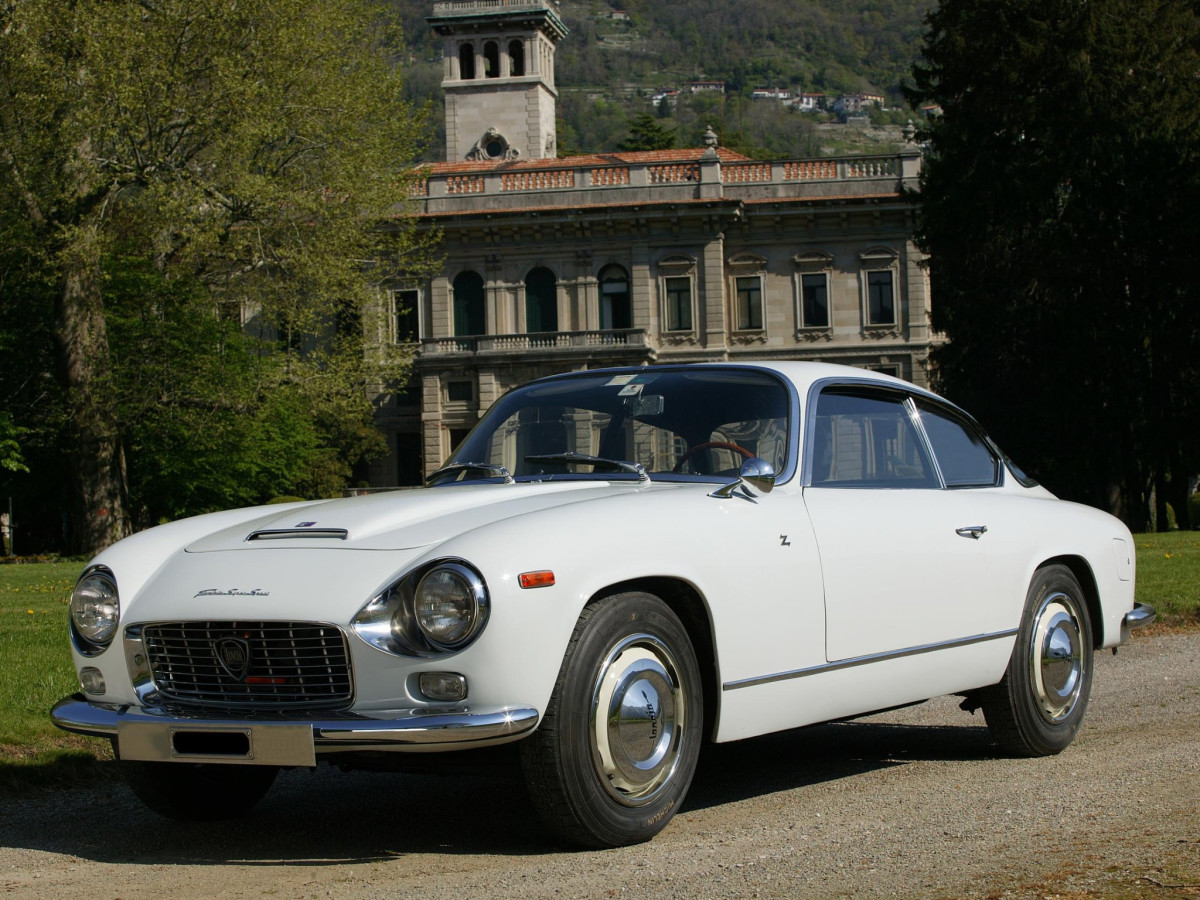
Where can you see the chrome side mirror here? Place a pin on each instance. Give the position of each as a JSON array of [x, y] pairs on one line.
[[755, 473], [758, 473]]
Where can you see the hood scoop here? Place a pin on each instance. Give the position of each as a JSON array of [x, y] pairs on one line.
[[284, 534]]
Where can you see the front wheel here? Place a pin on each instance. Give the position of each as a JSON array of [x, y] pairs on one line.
[[615, 752], [198, 792], [1038, 706]]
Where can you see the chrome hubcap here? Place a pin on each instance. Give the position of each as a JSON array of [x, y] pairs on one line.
[[1057, 657], [637, 718]]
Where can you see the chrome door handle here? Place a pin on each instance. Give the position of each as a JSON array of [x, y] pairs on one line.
[[975, 532]]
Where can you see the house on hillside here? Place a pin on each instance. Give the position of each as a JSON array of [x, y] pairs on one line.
[[857, 103], [777, 94], [669, 96]]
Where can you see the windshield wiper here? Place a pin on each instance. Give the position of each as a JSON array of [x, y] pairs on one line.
[[456, 468], [571, 457]]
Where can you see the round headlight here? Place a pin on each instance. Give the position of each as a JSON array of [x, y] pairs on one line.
[[451, 605], [95, 608]]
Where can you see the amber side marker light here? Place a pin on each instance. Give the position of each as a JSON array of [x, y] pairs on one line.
[[536, 579]]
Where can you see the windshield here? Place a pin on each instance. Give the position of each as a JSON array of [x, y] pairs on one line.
[[696, 423]]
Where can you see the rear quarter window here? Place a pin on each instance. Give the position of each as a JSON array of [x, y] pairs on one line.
[[962, 455]]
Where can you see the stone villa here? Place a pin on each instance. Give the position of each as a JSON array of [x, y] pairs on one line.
[[695, 255]]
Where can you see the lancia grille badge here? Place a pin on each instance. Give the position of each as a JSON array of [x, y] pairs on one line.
[[234, 656]]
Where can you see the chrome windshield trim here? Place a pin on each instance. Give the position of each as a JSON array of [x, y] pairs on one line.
[[865, 660]]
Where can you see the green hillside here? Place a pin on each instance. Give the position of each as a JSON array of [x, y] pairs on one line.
[[610, 65]]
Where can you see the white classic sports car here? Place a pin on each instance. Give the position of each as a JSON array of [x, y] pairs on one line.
[[612, 568]]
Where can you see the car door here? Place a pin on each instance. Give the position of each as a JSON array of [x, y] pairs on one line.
[[904, 559]]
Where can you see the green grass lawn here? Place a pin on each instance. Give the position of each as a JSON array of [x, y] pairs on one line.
[[1168, 575], [36, 661]]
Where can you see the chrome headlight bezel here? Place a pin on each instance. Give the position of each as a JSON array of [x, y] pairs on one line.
[[402, 620], [95, 611]]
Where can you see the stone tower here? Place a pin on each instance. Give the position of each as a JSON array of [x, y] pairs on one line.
[[499, 77]]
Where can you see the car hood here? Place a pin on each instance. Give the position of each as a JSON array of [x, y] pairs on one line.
[[279, 565], [399, 520]]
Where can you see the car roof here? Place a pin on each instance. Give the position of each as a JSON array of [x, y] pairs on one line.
[[802, 374]]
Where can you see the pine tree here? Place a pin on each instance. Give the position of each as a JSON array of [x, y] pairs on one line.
[[1057, 205], [647, 133]]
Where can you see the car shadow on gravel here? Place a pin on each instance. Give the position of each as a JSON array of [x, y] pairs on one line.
[[823, 753], [324, 817]]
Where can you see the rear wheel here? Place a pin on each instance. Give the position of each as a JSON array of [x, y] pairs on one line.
[[1038, 706], [198, 792], [615, 752]]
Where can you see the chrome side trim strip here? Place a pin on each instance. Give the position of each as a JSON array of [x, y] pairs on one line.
[[865, 660]]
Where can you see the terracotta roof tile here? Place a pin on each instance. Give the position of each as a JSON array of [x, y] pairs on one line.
[[641, 157], [641, 204]]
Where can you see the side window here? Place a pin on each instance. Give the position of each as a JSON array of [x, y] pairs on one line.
[[406, 320], [466, 62], [814, 292], [677, 295], [470, 308], [516, 58], [963, 457], [491, 60], [679, 303], [865, 438], [749, 302], [615, 309], [881, 300]]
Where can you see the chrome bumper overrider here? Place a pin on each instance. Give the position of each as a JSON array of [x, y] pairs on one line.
[[1141, 615], [158, 735]]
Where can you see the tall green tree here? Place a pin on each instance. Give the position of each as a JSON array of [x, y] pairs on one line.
[[647, 133], [1058, 206], [251, 148], [11, 457]]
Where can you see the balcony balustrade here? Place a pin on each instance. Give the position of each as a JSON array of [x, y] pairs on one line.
[[616, 339], [586, 182]]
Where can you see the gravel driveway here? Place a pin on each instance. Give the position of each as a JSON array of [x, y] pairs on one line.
[[911, 804]]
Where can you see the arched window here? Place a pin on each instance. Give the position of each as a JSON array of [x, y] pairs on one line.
[[516, 58], [616, 311], [491, 59], [470, 316], [541, 301], [466, 62]]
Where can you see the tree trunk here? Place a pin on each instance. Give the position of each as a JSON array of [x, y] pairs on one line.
[[1177, 496], [1161, 519], [97, 515]]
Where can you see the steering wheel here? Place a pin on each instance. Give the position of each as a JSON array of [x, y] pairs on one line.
[[724, 445]]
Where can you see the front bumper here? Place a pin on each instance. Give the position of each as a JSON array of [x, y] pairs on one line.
[[1140, 616], [160, 735]]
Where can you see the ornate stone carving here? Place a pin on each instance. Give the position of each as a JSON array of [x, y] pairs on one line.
[[492, 146]]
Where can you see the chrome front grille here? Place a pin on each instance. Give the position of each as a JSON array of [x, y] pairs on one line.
[[276, 665]]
